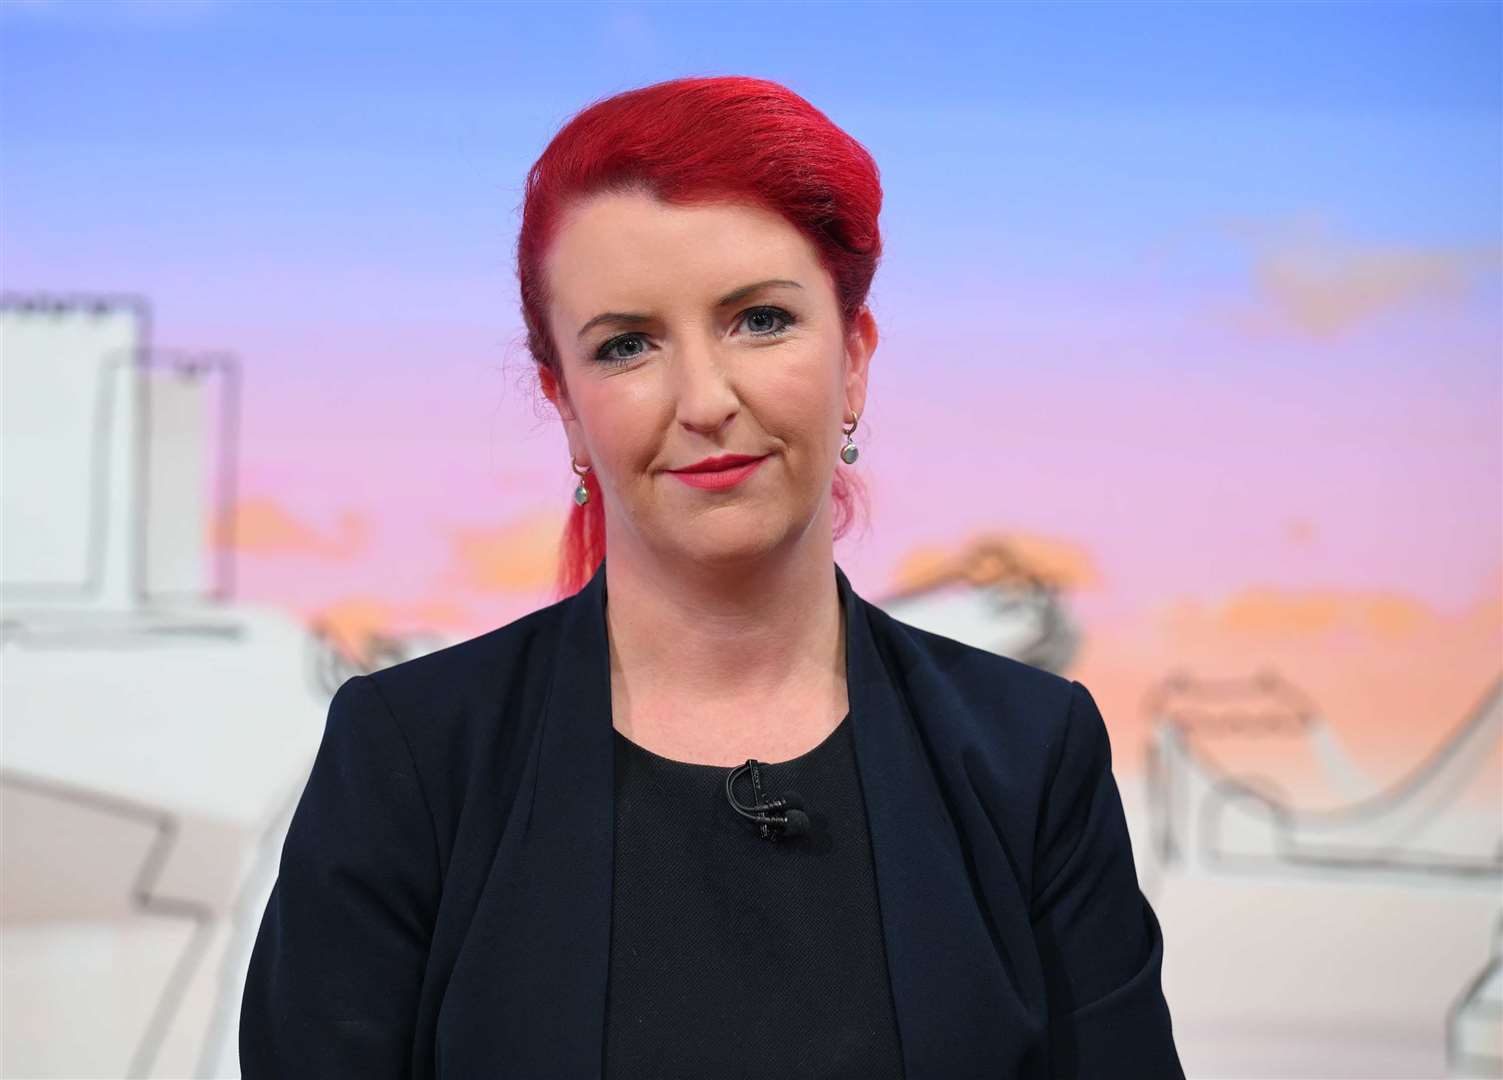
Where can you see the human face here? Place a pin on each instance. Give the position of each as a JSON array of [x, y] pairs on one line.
[[692, 332]]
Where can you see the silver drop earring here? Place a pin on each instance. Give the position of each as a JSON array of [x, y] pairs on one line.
[[848, 452], [581, 493]]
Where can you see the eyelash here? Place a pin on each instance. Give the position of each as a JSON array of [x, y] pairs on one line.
[[603, 355]]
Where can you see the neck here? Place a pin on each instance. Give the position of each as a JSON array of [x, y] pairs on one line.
[[714, 660]]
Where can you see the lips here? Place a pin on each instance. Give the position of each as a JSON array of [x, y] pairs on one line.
[[718, 474], [724, 461]]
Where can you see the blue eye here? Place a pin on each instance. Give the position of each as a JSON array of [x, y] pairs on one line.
[[777, 314], [606, 354], [781, 320]]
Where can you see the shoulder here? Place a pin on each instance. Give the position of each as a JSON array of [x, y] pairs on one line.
[[992, 708], [449, 691], [938, 664]]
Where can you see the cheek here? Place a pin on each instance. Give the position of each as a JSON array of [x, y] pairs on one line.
[[802, 396], [623, 419]]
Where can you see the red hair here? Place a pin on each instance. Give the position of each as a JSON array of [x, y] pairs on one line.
[[698, 140]]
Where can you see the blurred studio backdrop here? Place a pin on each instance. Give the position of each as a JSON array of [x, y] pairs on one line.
[[1189, 388]]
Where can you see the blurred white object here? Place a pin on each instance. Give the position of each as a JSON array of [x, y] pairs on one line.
[[987, 597], [156, 734], [1320, 916], [1217, 807]]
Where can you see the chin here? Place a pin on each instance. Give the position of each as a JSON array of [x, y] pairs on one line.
[[730, 542]]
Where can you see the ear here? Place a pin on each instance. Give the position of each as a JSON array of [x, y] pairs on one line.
[[558, 394], [861, 342], [554, 391]]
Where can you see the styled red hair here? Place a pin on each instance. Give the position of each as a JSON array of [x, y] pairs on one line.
[[699, 140]]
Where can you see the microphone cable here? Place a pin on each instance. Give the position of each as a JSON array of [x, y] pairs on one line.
[[775, 818]]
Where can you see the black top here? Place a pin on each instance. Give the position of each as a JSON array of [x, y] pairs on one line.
[[737, 956], [443, 902]]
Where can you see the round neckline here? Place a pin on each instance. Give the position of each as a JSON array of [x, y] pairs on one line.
[[701, 766]]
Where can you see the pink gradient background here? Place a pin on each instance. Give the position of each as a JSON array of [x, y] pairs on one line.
[[1212, 311]]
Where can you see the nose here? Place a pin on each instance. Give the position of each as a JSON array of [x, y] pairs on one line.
[[706, 399]]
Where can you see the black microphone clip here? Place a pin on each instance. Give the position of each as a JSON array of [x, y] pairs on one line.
[[775, 818]]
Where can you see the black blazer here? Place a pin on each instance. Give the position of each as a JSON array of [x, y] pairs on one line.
[[444, 898]]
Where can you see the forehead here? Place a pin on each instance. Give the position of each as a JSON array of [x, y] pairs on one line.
[[631, 249]]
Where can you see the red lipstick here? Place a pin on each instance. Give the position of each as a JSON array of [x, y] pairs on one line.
[[719, 473]]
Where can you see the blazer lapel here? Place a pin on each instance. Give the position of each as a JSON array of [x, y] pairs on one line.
[[573, 825], [951, 1002], [958, 1015], [539, 988]]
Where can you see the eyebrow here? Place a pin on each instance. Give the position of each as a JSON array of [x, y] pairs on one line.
[[630, 318]]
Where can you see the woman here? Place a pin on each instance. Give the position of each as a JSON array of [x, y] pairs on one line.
[[532, 854]]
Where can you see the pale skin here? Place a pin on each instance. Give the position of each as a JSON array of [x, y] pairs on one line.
[[726, 635]]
